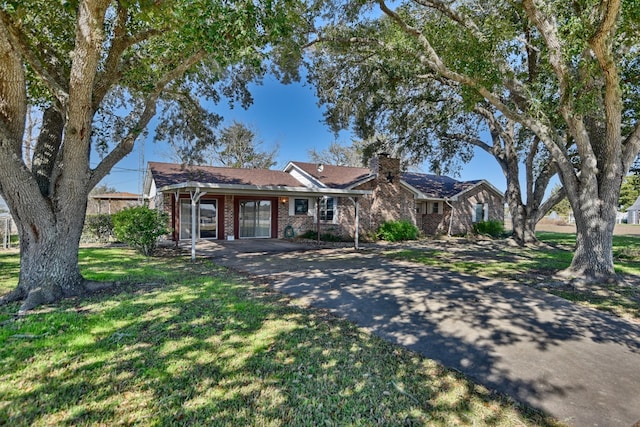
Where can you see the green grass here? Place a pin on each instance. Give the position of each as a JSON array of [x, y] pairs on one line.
[[178, 343], [9, 270], [536, 266]]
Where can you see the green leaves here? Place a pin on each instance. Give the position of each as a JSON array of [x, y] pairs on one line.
[[140, 228]]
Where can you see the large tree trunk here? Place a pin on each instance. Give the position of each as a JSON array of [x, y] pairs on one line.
[[49, 232], [524, 226], [49, 262], [593, 258], [594, 203]]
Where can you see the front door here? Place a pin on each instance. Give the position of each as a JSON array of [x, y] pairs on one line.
[[206, 217], [254, 219], [208, 220]]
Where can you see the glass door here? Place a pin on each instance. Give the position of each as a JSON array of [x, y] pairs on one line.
[[185, 219], [254, 219], [207, 220]]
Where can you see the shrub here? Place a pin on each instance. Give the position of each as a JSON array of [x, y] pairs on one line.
[[140, 228], [99, 226], [395, 231], [490, 228]]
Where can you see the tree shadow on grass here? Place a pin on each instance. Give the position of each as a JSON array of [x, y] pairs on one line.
[[213, 352], [536, 347]]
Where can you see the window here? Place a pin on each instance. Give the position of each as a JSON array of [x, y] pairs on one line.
[[435, 208], [326, 209], [301, 206], [481, 212]]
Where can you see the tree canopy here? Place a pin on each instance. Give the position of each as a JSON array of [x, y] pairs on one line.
[[564, 75], [234, 146], [339, 154], [99, 70], [240, 148]]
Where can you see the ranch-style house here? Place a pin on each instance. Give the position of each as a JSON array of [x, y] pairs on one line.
[[233, 203]]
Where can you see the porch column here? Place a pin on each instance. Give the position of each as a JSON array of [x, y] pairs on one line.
[[195, 198], [357, 213], [318, 201]]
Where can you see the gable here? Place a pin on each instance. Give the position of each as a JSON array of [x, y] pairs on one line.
[[332, 176]]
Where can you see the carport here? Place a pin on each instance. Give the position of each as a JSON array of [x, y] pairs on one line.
[[197, 190]]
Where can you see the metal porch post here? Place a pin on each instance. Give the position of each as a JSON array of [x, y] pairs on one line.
[[357, 231], [195, 198]]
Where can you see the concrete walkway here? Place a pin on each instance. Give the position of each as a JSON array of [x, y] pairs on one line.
[[577, 364]]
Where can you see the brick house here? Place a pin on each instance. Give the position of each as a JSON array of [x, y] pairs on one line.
[[259, 203], [109, 203]]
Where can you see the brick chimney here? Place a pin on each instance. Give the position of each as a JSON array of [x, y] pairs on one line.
[[387, 168]]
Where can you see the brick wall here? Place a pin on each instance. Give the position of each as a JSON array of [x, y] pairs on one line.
[[229, 226], [465, 206], [389, 202], [433, 224]]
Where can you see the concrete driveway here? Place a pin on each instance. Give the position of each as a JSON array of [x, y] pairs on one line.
[[577, 364]]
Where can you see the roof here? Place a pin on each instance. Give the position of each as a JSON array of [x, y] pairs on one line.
[[335, 180], [437, 186], [115, 196], [335, 176], [166, 174], [175, 177], [635, 206]]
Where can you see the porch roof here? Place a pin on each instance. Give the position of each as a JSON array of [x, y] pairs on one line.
[[271, 190]]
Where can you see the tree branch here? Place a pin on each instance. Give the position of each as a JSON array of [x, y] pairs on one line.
[[13, 98], [119, 44], [630, 148], [528, 165], [464, 21], [345, 40], [47, 148], [550, 203], [51, 78], [549, 31], [600, 44], [125, 146]]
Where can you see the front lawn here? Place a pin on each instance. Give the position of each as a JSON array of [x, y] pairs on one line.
[[537, 266], [176, 343]]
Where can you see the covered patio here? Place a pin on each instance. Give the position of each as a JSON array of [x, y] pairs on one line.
[[242, 211]]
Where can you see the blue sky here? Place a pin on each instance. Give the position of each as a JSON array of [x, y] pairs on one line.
[[286, 115]]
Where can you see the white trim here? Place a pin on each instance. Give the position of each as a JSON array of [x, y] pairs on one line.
[[262, 189], [301, 175], [292, 206]]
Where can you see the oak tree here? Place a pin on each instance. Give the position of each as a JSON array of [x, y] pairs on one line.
[[565, 73], [99, 70]]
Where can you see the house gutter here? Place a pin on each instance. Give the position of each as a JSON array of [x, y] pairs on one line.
[[264, 189]]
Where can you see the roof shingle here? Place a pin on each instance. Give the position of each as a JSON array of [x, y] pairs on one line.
[[436, 186], [170, 174], [335, 176]]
